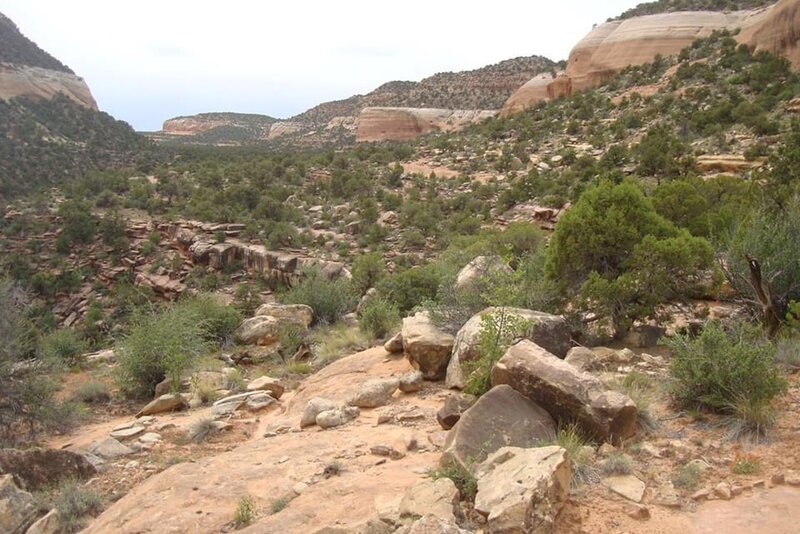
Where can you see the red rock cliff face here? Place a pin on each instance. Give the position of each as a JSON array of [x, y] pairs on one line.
[[613, 46]]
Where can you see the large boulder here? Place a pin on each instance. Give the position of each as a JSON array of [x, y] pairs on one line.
[[546, 330], [375, 393], [17, 507], [471, 276], [36, 468], [452, 410], [500, 418], [273, 386], [261, 330], [426, 346], [568, 394], [522, 490], [298, 314]]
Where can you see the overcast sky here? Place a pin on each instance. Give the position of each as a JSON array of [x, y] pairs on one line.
[[147, 60]]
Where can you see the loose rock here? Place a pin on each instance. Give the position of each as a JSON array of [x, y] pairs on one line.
[[163, 404], [273, 386], [522, 490], [454, 406], [375, 393], [411, 382]]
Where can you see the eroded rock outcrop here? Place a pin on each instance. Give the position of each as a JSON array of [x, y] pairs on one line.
[[399, 124], [776, 31]]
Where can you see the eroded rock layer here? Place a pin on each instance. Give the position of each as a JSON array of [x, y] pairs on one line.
[[21, 80], [398, 124]]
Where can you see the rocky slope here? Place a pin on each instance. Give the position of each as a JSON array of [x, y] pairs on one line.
[[615, 45], [27, 70]]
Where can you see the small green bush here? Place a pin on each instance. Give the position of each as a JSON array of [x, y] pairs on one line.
[[93, 392], [367, 271], [74, 503], [159, 345], [465, 481], [719, 370], [497, 331], [279, 504], [246, 512], [330, 299], [570, 438], [378, 317], [63, 347], [687, 476], [218, 320]]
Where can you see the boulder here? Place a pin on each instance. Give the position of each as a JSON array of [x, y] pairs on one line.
[[394, 344], [375, 393], [163, 404], [523, 490], [426, 346], [581, 358], [500, 418], [316, 406], [454, 406], [298, 314], [49, 524], [261, 330], [37, 468], [435, 497], [17, 507], [430, 524], [265, 383], [337, 417], [411, 382], [109, 448], [569, 395], [548, 331], [259, 401], [470, 277]]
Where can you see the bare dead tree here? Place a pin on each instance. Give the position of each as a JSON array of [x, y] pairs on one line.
[[762, 288]]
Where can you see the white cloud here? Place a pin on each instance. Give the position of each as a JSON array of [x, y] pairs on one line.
[[149, 60]]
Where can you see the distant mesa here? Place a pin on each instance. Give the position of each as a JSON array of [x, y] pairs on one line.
[[397, 110], [615, 45], [27, 70]]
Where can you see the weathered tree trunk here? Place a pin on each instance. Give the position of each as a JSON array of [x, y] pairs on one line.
[[769, 309]]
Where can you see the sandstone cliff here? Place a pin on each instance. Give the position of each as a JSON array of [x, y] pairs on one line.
[[615, 45], [777, 31], [27, 70], [397, 124], [220, 126]]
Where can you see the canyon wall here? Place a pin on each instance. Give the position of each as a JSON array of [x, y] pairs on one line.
[[613, 46], [22, 80]]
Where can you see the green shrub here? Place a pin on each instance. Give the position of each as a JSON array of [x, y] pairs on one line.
[[246, 512], [247, 299], [161, 344], [721, 370], [411, 287], [687, 476], [463, 479], [367, 271], [93, 392], [617, 464], [330, 299], [570, 438], [63, 347], [378, 317], [74, 502], [279, 504], [218, 320], [497, 331], [746, 465]]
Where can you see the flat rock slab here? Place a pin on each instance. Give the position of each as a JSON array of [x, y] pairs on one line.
[[127, 433], [628, 486]]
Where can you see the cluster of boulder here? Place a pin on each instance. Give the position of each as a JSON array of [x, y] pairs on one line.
[[504, 439]]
